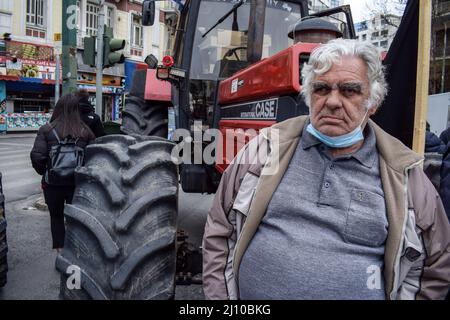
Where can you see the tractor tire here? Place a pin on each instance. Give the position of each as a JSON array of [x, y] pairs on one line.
[[121, 226], [3, 242], [146, 118]]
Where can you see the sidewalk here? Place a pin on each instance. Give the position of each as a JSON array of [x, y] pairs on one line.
[[31, 260]]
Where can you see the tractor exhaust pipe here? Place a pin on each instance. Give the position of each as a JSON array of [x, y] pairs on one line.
[[256, 30]]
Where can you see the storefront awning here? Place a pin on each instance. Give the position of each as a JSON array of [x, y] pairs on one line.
[[30, 87], [24, 79]]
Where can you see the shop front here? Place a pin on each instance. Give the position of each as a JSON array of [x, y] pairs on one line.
[[112, 94], [113, 88], [27, 74]]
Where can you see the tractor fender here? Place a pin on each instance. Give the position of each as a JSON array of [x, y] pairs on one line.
[[155, 89]]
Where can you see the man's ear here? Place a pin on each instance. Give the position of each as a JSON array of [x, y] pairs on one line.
[[372, 111]]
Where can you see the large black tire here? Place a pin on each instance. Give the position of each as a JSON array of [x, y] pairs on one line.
[[121, 226], [147, 118], [3, 242]]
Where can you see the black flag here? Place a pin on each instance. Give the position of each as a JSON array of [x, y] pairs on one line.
[[396, 115]]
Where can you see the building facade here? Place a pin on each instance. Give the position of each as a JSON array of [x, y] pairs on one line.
[[320, 5], [380, 30], [27, 54], [440, 52]]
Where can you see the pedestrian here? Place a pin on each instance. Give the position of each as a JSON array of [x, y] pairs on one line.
[[445, 136], [445, 181], [337, 208], [66, 126], [433, 144], [88, 114]]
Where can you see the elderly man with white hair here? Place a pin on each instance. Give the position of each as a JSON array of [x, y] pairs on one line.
[[349, 214]]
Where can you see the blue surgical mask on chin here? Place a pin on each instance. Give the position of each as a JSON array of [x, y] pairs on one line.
[[343, 141]]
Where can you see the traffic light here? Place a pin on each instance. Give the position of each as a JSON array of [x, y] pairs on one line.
[[89, 51], [111, 45]]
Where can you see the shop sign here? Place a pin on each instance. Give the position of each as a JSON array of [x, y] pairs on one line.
[[30, 61], [31, 69], [88, 78]]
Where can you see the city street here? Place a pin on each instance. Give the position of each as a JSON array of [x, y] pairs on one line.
[[31, 261]]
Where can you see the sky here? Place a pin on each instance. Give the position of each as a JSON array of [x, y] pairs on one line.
[[360, 9], [357, 7]]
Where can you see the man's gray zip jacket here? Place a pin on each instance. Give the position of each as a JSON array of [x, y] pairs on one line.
[[417, 252]]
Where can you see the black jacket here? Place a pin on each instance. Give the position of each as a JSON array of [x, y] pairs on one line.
[[433, 143], [91, 119], [445, 136], [43, 143]]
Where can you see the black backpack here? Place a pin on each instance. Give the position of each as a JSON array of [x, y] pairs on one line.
[[64, 158]]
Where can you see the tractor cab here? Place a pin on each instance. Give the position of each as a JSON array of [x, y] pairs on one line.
[[225, 52]]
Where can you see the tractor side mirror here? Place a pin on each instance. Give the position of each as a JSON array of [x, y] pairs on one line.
[[148, 13], [151, 61]]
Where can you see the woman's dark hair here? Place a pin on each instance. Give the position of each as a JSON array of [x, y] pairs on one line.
[[66, 119]]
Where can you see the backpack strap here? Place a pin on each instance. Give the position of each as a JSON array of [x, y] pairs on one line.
[[56, 135]]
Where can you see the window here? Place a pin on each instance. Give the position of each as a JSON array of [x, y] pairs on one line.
[[375, 44], [384, 33], [110, 17], [361, 26], [375, 35], [334, 3], [5, 23], [36, 13], [364, 37], [35, 18], [136, 35], [6, 5], [384, 44], [211, 57], [92, 18]]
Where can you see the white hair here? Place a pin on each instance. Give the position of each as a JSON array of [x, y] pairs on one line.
[[324, 56]]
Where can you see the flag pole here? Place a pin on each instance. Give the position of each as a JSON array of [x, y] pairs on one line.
[[423, 76]]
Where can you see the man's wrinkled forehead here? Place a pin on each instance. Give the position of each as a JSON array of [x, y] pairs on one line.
[[345, 68]]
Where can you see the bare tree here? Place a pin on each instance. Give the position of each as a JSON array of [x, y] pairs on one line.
[[387, 10]]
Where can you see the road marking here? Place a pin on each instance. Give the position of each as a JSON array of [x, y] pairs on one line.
[[13, 164], [16, 145], [16, 152], [10, 173], [15, 156], [7, 187]]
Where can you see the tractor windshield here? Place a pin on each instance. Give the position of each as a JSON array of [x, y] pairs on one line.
[[222, 51]]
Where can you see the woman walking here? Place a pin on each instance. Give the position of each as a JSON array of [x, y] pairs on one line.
[[58, 148]]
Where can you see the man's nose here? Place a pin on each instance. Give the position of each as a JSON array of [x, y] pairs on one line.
[[334, 99]]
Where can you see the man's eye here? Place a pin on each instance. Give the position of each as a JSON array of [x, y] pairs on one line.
[[350, 91], [322, 90]]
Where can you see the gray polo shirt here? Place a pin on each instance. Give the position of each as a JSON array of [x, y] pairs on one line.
[[324, 232]]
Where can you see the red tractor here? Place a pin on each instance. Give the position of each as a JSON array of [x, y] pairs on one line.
[[234, 68]]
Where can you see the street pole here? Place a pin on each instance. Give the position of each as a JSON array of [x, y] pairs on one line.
[[69, 46], [57, 77], [99, 78]]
